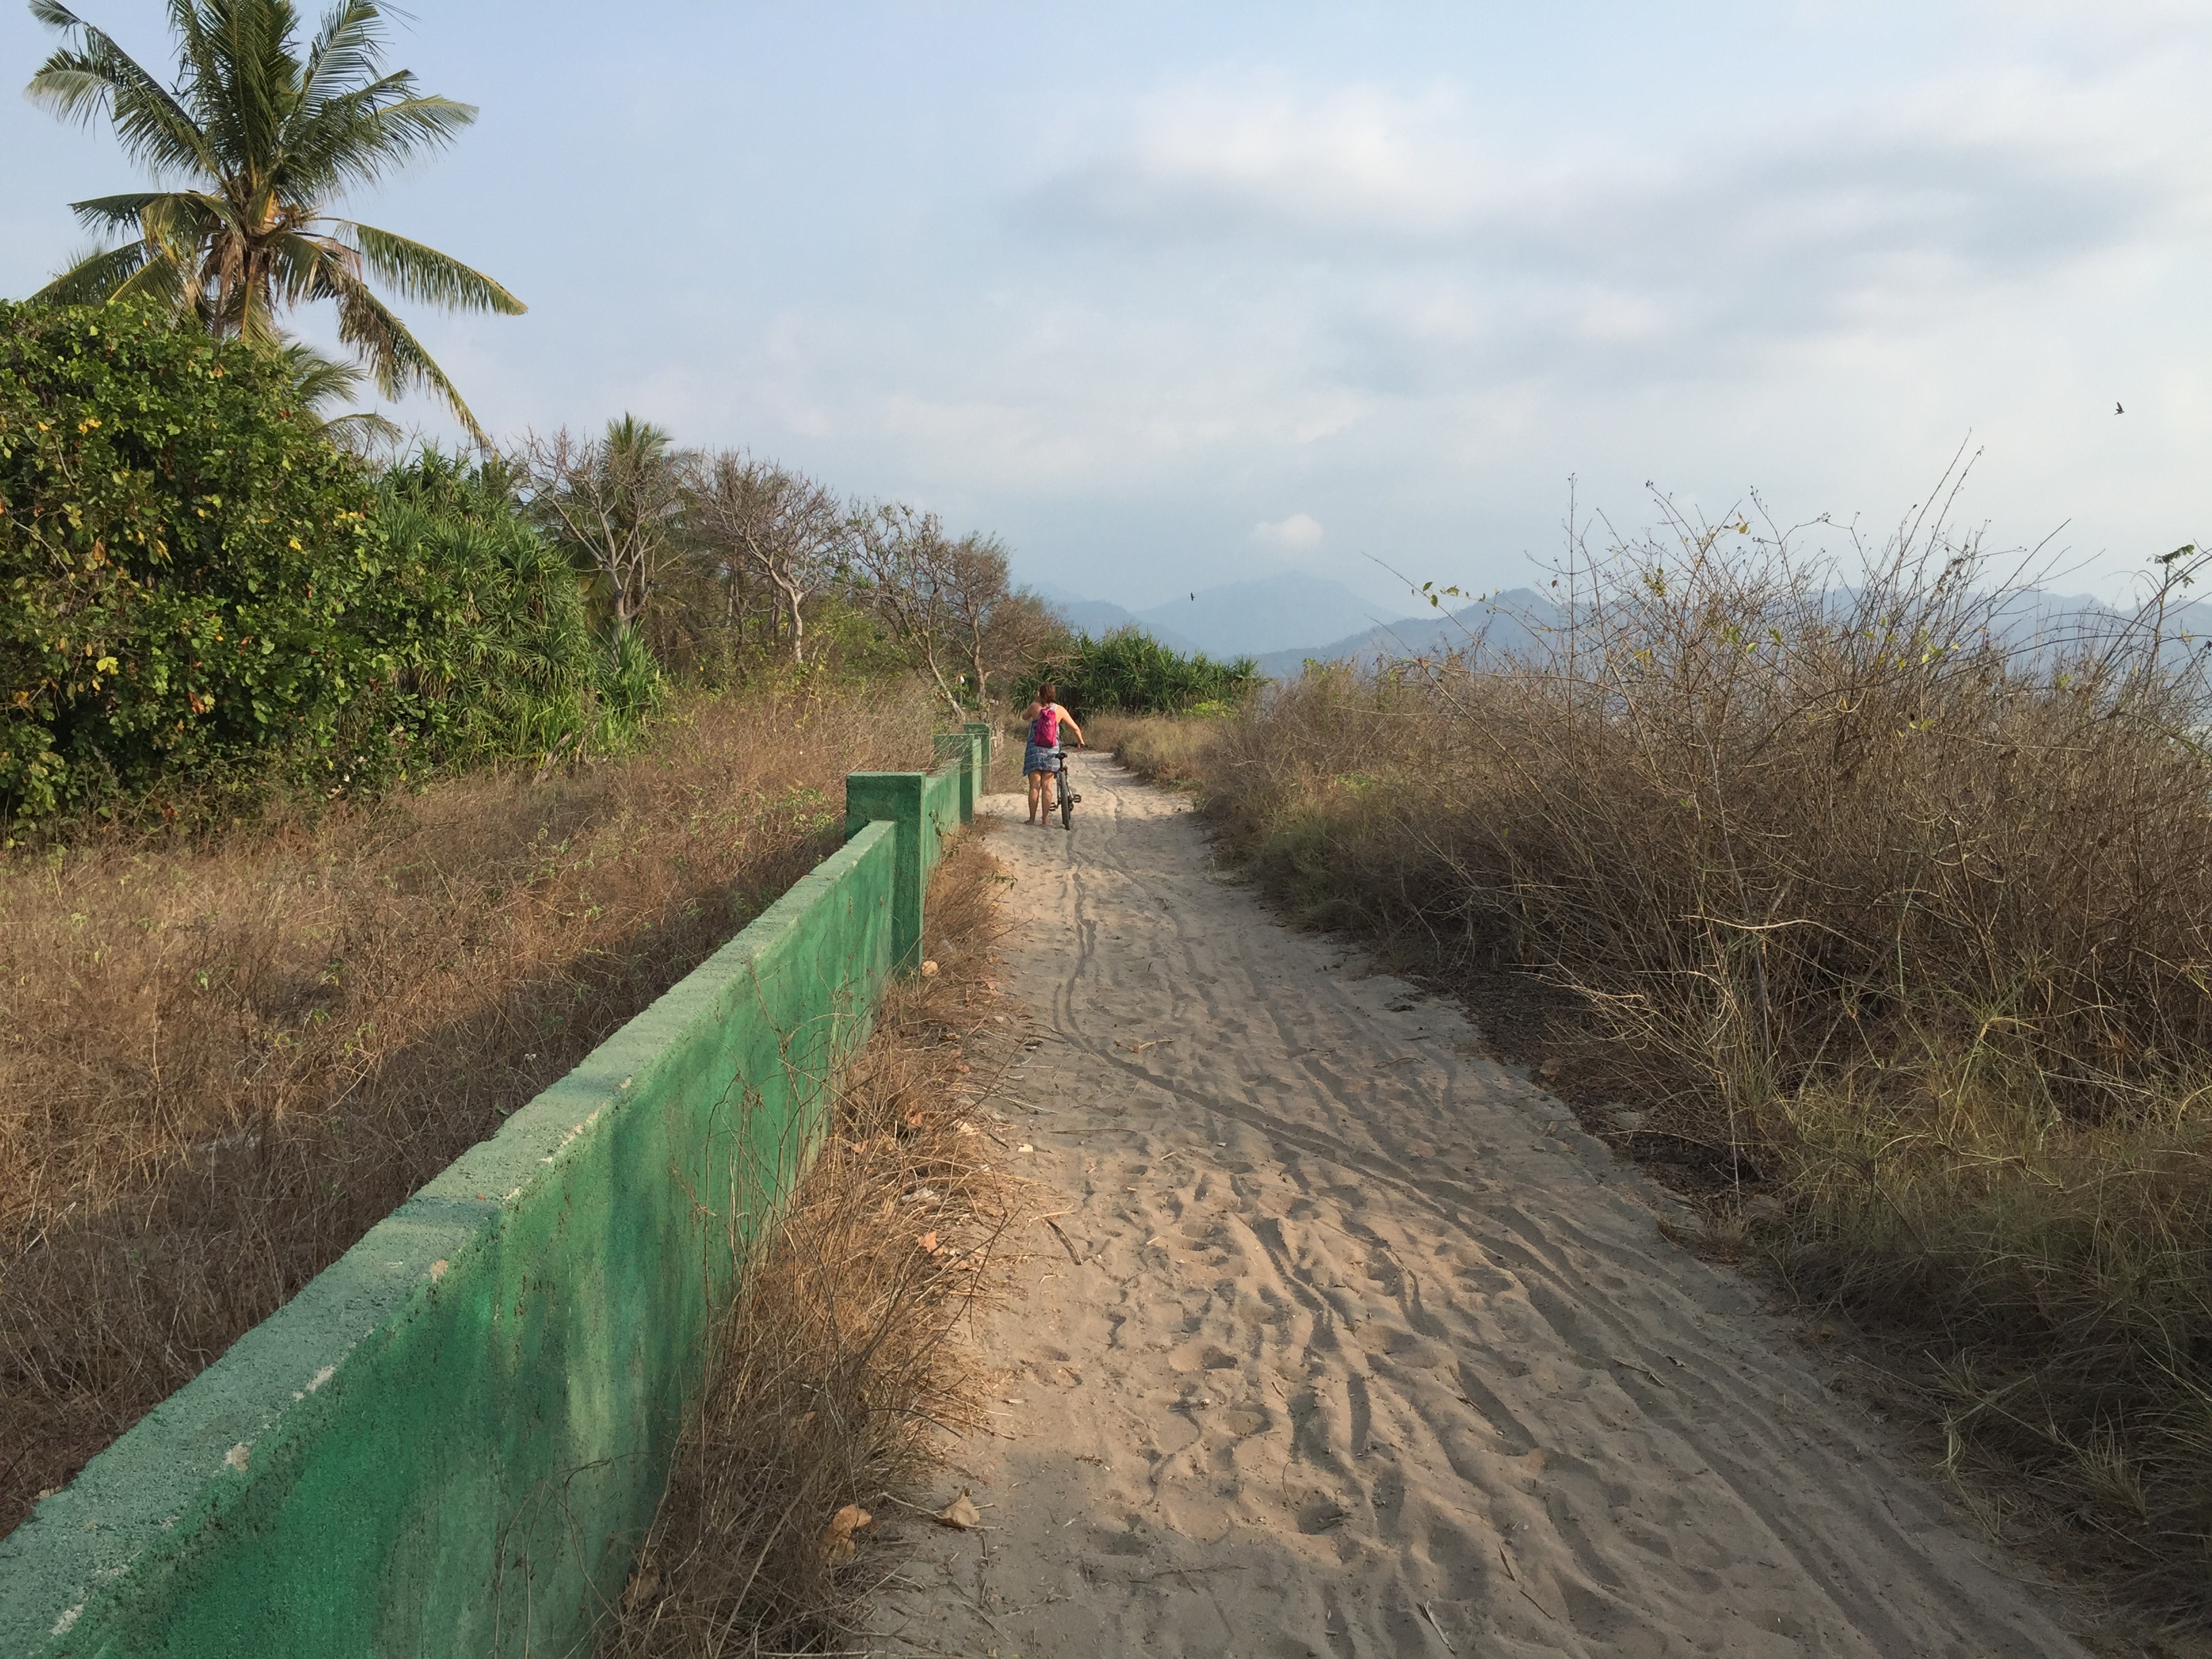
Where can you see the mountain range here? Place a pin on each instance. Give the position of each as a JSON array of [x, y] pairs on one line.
[[1265, 617], [1503, 622], [1285, 621]]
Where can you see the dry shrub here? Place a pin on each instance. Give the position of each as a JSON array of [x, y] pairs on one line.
[[835, 1366], [221, 1064], [1893, 899], [1165, 749]]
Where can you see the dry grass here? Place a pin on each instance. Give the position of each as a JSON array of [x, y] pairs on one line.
[[221, 1064], [836, 1367], [1164, 749], [1899, 926]]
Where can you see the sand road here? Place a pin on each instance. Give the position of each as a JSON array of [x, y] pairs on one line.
[[1350, 1342]]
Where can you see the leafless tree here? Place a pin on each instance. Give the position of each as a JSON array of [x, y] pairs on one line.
[[616, 500], [971, 577], [771, 523], [1026, 636], [947, 603], [902, 554], [994, 626]]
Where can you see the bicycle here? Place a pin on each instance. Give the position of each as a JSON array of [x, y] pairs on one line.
[[1069, 798]]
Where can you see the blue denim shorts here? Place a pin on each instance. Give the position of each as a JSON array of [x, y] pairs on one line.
[[1038, 759]]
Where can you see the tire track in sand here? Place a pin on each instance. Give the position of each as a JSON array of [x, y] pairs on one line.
[[1358, 1345]]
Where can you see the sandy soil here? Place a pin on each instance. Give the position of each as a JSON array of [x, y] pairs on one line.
[[1348, 1341]]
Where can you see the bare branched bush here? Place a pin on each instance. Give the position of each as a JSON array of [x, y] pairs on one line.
[[1891, 886], [615, 502], [221, 1064], [946, 603], [836, 1367], [770, 526]]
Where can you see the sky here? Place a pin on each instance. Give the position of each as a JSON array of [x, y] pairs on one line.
[[1171, 295]]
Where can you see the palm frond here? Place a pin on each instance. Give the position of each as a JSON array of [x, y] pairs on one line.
[[186, 235], [184, 219], [419, 272], [301, 267], [360, 432], [343, 55], [423, 121], [116, 212], [318, 380], [68, 87], [96, 76], [356, 139], [395, 356], [93, 279], [245, 77], [340, 145], [158, 278]]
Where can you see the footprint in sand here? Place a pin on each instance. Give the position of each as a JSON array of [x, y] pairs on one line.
[[1459, 1395]]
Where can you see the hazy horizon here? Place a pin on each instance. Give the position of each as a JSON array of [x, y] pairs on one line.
[[1168, 298]]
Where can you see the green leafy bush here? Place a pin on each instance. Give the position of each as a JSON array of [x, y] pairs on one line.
[[182, 555], [1130, 671], [201, 599], [492, 629]]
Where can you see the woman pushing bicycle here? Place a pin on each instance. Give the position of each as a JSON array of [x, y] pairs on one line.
[[1040, 760]]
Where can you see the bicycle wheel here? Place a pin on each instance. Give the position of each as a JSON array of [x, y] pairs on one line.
[[1067, 800]]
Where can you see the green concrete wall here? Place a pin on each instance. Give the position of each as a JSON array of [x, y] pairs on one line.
[[980, 732], [896, 798], [451, 1441], [924, 807]]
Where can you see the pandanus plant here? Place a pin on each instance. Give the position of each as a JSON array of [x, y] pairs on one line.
[[250, 152]]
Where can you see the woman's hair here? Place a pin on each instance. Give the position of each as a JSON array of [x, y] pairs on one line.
[[1048, 692]]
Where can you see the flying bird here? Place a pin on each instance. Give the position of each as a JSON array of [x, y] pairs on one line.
[[2117, 410], [1193, 599]]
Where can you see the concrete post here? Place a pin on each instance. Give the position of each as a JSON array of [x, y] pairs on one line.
[[980, 731], [958, 749], [896, 796]]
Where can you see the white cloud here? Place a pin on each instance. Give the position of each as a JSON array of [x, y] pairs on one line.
[[1411, 274], [1433, 252], [1295, 534]]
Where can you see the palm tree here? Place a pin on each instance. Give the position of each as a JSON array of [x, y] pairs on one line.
[[262, 143], [321, 383]]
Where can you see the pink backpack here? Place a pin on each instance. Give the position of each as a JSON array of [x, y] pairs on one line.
[[1045, 731]]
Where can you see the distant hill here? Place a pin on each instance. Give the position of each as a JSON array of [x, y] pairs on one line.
[[1240, 619], [2032, 623], [1505, 621], [1099, 617], [1234, 619], [1272, 618]]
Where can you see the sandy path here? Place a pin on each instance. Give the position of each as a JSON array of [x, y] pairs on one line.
[[1350, 1342]]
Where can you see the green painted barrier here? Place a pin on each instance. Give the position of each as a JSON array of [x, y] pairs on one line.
[[957, 749], [453, 1440], [924, 806], [981, 731], [874, 798]]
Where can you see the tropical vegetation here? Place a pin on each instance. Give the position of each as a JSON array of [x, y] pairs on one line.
[[1130, 672], [201, 596], [250, 152], [209, 596]]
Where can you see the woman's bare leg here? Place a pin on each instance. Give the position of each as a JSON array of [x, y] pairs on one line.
[[1035, 780]]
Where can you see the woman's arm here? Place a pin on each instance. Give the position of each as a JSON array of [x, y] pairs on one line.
[[1068, 720]]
